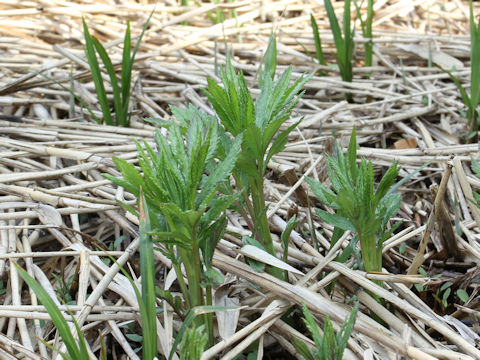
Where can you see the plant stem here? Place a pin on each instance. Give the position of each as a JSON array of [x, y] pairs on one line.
[[265, 237], [196, 277], [209, 323], [183, 285], [195, 286], [369, 34], [248, 204], [186, 257]]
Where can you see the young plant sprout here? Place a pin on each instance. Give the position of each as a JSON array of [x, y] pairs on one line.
[[359, 207]]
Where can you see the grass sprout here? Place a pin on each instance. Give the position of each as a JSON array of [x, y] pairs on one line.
[[330, 346], [318, 44], [75, 351], [366, 26], [121, 91], [343, 43], [359, 207]]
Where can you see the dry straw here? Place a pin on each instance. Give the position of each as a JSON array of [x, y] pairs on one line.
[[56, 209]]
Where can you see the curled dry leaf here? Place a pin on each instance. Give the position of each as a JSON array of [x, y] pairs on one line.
[[227, 320], [49, 215]]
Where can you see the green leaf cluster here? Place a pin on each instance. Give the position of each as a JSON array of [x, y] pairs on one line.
[[121, 91], [359, 207], [260, 124], [193, 343], [179, 184], [330, 346]]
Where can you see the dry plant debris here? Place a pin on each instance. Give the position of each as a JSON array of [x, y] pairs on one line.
[[59, 215]]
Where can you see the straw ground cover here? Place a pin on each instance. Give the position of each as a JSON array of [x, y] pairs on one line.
[[59, 215]]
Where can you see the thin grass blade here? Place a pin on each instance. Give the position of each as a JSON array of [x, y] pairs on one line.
[[117, 100], [96, 75], [336, 31], [57, 317], [147, 269], [318, 41]]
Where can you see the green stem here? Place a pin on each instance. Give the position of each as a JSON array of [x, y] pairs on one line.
[[368, 34], [372, 259], [368, 53], [248, 204], [197, 293], [186, 257], [183, 285], [209, 323], [264, 235]]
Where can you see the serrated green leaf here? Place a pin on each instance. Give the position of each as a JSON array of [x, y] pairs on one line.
[[280, 142], [130, 174], [218, 205], [387, 181], [253, 141], [221, 172], [329, 343], [193, 343], [233, 104], [336, 220], [345, 331], [311, 325], [302, 349], [192, 313], [352, 155], [323, 193], [270, 62], [172, 238]]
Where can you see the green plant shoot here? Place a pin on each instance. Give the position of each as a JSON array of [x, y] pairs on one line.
[[259, 123], [74, 351], [344, 44], [186, 213], [121, 92], [330, 346], [193, 343], [366, 26], [318, 43], [358, 206]]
